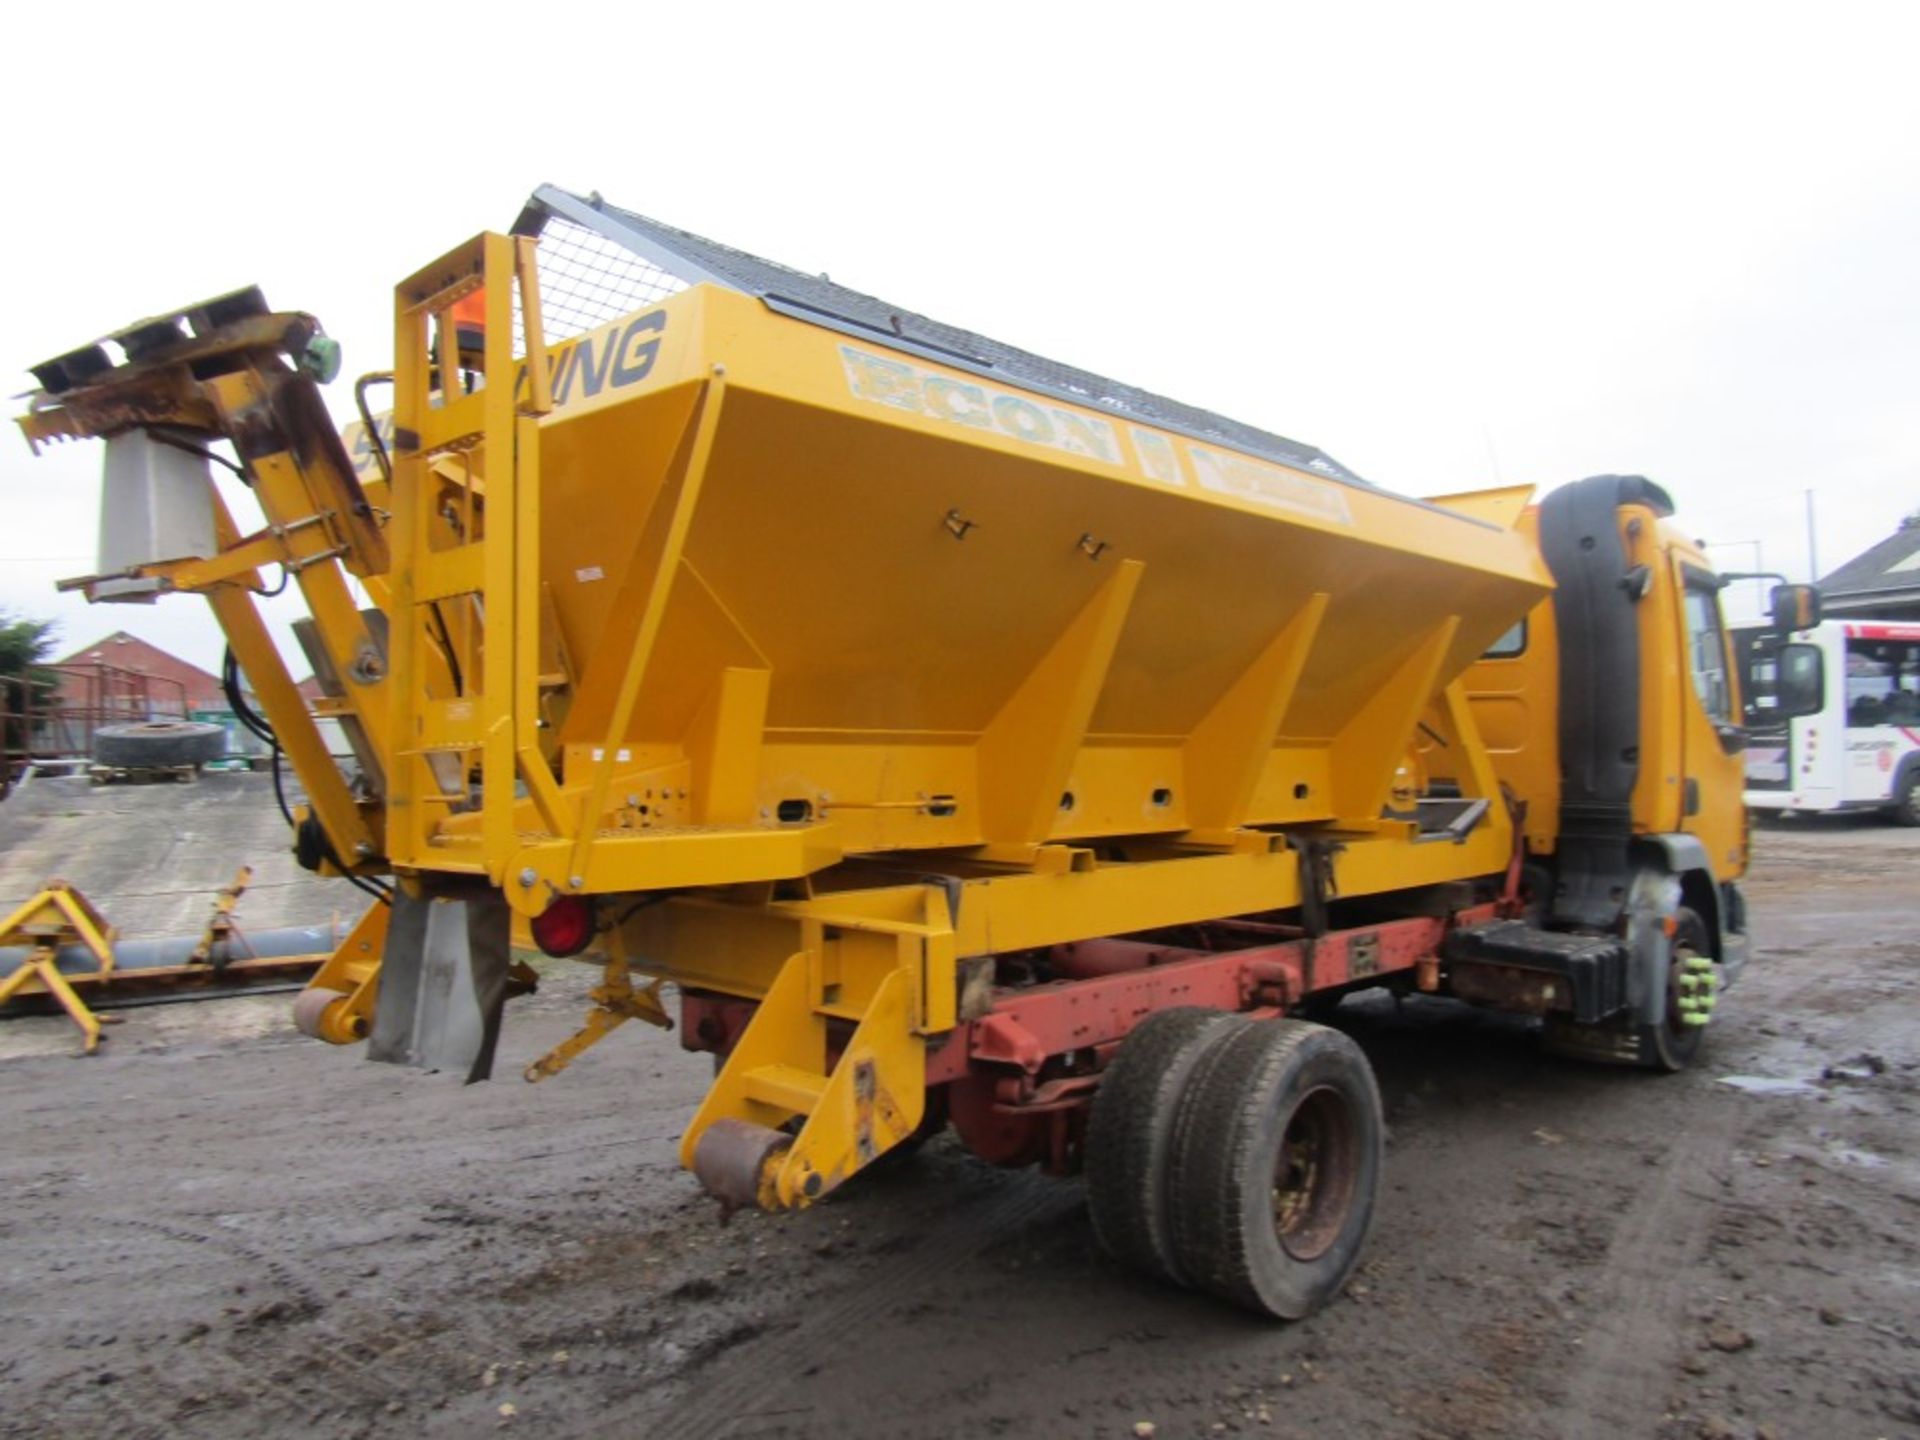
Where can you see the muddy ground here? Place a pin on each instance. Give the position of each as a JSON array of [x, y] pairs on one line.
[[220, 1229]]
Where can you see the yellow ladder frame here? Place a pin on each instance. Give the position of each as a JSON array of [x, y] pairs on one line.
[[495, 715]]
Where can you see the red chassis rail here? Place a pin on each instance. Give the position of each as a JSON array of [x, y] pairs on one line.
[[1016, 1081]]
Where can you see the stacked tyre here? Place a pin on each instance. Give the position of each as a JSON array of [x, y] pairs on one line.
[[1236, 1156], [158, 744]]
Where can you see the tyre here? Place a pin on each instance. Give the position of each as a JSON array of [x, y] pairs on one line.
[[1276, 1162], [158, 743], [1670, 1045], [1906, 804], [1130, 1133]]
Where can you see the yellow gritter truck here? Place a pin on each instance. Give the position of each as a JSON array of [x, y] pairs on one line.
[[939, 735]]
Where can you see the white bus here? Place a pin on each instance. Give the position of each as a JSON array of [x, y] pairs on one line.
[[1851, 692]]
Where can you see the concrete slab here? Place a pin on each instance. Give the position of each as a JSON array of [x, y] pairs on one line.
[[153, 856]]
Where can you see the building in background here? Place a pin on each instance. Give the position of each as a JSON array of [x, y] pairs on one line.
[[1882, 582], [181, 686], [120, 678]]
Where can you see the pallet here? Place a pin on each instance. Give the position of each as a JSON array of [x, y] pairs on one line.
[[141, 774]]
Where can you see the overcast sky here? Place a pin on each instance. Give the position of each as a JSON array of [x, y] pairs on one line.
[[1453, 245]]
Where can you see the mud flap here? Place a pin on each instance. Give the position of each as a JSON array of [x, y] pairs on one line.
[[443, 983]]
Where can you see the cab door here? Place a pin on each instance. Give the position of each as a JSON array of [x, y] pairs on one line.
[[1713, 775]]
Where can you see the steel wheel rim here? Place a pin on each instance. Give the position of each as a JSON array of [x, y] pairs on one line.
[[1315, 1175]]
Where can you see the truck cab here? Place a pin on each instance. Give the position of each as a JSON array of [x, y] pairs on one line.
[[1613, 717]]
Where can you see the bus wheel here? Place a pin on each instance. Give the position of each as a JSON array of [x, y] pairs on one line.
[[1130, 1132], [1276, 1162], [1906, 804]]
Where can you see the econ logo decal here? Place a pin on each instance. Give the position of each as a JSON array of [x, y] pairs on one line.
[[901, 386], [1271, 486]]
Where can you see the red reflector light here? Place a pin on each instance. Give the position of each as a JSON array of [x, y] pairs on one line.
[[565, 927]]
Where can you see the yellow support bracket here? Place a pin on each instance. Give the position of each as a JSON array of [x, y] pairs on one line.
[[337, 1005], [58, 916], [615, 1002], [1026, 752], [221, 926], [872, 1101], [872, 1098]]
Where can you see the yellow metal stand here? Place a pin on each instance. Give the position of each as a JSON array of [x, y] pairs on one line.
[[222, 928], [615, 1002], [56, 917]]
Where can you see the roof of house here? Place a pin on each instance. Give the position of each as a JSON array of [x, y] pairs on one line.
[[1881, 576], [129, 652]]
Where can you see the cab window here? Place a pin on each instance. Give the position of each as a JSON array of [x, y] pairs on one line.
[[1707, 647], [1510, 644]]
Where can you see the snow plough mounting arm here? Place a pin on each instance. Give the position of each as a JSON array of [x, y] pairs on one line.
[[231, 369]]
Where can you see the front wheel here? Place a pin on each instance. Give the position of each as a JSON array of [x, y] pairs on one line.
[[1276, 1161], [1670, 1044]]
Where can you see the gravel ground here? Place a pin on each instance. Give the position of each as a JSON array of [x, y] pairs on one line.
[[216, 1227]]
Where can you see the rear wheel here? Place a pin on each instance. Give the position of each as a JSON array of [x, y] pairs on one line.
[[1276, 1162], [1906, 803], [1130, 1133]]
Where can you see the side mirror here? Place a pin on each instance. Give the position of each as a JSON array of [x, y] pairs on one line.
[[1794, 607], [1781, 680], [1800, 686]]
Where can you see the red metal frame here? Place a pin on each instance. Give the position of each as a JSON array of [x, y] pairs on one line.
[[58, 721], [1019, 1078]]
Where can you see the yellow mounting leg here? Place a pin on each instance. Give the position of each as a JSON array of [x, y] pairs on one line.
[[615, 1002], [58, 916], [337, 1005], [871, 1100]]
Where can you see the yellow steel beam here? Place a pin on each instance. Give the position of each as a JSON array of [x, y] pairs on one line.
[[736, 945], [1228, 749], [1025, 755], [723, 746], [286, 711], [512, 481], [655, 563], [1368, 747]]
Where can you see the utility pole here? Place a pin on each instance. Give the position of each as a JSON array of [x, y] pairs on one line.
[[1813, 552]]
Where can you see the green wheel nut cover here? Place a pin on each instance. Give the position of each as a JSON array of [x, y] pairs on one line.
[[1697, 990]]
